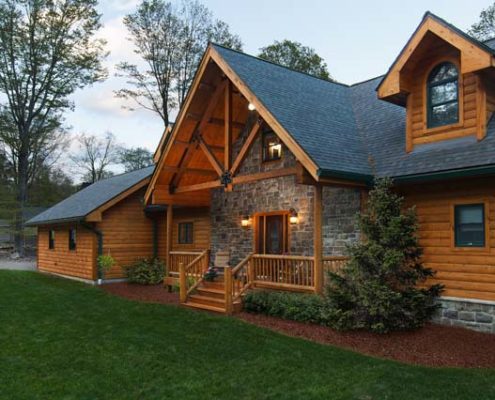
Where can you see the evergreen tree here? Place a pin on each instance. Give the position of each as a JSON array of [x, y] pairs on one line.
[[380, 288]]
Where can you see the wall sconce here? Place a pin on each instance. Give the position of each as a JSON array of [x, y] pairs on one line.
[[246, 221], [293, 218], [251, 107]]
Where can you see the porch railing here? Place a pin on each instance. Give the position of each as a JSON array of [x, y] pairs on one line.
[[178, 257], [334, 263], [191, 275], [237, 280]]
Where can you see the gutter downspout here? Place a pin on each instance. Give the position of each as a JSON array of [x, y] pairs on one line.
[[99, 237]]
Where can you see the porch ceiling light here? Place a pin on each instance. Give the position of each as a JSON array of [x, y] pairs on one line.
[[246, 221], [251, 107], [293, 218]]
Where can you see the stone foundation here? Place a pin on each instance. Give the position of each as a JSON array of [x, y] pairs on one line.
[[478, 315]]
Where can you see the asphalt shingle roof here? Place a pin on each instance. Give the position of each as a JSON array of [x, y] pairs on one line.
[[347, 130], [90, 198]]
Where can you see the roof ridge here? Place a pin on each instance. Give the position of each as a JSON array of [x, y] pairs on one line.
[[279, 65], [121, 174], [367, 80]]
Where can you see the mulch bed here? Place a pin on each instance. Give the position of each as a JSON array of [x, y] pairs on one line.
[[433, 345]]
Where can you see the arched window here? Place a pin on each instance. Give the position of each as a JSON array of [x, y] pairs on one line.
[[443, 95]]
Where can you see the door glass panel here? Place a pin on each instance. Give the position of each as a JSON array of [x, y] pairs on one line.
[[274, 234]]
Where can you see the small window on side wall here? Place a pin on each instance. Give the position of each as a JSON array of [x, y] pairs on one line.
[[186, 233], [443, 95], [469, 225], [272, 147], [72, 239], [51, 239]]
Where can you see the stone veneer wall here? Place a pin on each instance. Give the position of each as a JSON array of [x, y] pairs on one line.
[[340, 206], [339, 226], [472, 314]]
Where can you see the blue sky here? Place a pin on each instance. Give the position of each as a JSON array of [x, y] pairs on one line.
[[358, 40]]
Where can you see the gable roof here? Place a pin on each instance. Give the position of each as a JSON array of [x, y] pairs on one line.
[[89, 199]]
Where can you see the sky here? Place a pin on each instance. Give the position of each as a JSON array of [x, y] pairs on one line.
[[357, 39]]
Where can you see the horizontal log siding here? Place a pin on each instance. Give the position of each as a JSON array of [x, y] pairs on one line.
[[466, 273], [201, 229], [127, 233], [79, 263]]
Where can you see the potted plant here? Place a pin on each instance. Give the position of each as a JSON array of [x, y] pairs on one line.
[[210, 274], [105, 263]]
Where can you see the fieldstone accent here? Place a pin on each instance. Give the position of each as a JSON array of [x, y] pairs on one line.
[[340, 227], [476, 315]]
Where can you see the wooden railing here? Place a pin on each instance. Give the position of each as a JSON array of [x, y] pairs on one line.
[[191, 275], [237, 281], [334, 263], [283, 272], [184, 257]]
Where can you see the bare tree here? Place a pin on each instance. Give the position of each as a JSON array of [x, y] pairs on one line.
[[135, 158], [95, 156], [485, 27], [48, 50], [171, 40]]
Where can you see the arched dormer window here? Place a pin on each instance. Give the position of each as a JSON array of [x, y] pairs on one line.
[[443, 95]]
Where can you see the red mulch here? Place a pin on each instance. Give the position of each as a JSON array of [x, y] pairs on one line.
[[433, 345]]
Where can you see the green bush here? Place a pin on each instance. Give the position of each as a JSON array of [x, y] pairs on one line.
[[105, 264], [145, 271], [292, 306]]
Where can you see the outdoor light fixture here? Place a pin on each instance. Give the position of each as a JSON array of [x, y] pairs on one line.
[[245, 222], [293, 218], [251, 107]]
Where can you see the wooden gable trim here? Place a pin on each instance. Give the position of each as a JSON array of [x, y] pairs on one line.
[[159, 149], [246, 146], [293, 146], [473, 57], [97, 215]]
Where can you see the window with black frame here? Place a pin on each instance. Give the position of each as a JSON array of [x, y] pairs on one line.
[[272, 147], [469, 225], [443, 95], [72, 239], [186, 233], [51, 239]]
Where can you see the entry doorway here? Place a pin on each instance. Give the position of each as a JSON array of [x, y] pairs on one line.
[[271, 233]]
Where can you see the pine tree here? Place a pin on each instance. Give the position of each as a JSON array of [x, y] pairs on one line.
[[380, 288]]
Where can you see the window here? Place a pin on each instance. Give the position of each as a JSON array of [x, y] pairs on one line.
[[271, 233], [272, 147], [443, 95], [51, 239], [72, 239], [469, 225], [186, 233]]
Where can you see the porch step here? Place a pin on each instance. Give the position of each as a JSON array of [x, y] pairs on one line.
[[193, 304], [207, 300], [213, 285], [211, 292]]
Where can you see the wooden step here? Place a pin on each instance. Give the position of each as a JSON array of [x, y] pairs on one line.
[[208, 300], [211, 292], [213, 285], [192, 304]]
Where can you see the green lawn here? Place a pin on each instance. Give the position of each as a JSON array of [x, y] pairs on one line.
[[64, 340]]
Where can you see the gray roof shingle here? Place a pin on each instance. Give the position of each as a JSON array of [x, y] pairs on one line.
[[85, 201]]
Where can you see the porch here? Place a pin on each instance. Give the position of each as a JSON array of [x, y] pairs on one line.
[[256, 271]]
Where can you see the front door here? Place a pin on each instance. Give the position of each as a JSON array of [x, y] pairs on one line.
[[272, 233]]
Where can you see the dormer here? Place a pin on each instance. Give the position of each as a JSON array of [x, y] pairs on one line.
[[445, 80]]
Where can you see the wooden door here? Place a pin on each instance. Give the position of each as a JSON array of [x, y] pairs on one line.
[[271, 233]]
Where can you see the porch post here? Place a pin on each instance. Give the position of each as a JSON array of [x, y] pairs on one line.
[[318, 241], [170, 219]]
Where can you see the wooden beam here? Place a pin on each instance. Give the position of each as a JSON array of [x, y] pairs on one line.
[[198, 186], [246, 146], [318, 239], [193, 171], [170, 232], [210, 155], [215, 121], [186, 158], [228, 127], [185, 144], [276, 173]]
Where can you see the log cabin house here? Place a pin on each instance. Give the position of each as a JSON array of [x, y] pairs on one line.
[[266, 168]]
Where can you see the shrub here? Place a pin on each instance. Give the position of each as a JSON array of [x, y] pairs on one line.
[[105, 263], [145, 272], [378, 288], [292, 306]]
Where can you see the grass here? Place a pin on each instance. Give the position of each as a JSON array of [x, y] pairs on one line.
[[64, 340]]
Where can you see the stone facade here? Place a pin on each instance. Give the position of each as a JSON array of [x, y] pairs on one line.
[[340, 227], [471, 314], [279, 194]]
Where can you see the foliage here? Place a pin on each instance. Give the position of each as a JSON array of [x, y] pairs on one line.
[[48, 50], [171, 40], [210, 274], [295, 56], [50, 186], [156, 351], [105, 263], [95, 156], [145, 272], [377, 290], [135, 158], [485, 28], [293, 306]]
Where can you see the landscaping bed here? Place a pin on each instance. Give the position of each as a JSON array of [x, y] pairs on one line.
[[433, 345]]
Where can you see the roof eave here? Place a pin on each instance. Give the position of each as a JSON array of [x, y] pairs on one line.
[[346, 175], [448, 174], [55, 221]]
